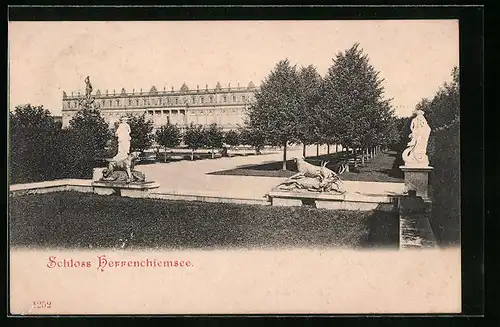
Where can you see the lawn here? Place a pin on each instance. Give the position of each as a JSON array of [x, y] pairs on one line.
[[76, 220], [382, 168]]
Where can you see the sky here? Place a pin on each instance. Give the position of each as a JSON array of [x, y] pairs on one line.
[[414, 57]]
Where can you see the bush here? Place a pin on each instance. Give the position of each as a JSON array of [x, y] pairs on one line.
[[40, 150]]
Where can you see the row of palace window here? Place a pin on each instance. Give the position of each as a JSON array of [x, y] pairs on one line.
[[147, 102]]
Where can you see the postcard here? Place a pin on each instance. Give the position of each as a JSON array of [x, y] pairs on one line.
[[234, 167]]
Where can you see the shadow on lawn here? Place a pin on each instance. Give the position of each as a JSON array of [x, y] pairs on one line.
[[383, 230]]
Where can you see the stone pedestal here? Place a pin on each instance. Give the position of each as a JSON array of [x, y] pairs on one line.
[[133, 190], [417, 179]]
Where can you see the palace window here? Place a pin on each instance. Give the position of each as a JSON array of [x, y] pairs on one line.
[[202, 100], [129, 102], [211, 99], [110, 103], [103, 103], [194, 100], [234, 98], [117, 103], [243, 98], [176, 100], [225, 99]]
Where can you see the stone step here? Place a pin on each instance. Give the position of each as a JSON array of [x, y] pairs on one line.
[[414, 225]]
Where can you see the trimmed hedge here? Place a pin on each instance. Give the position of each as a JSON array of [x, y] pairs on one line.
[[444, 151]]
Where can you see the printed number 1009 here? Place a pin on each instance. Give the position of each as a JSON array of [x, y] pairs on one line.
[[42, 304]]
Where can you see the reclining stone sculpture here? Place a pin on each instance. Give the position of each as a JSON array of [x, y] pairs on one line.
[[313, 178]]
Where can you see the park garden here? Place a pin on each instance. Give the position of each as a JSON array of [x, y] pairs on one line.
[[295, 106]]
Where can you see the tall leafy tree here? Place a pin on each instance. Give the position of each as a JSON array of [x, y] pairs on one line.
[[309, 127], [213, 137], [168, 136], [353, 100], [276, 110], [194, 138], [91, 134], [141, 132]]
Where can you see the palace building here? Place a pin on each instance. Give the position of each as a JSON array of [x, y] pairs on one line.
[[224, 106]]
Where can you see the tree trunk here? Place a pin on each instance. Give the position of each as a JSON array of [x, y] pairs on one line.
[[336, 148], [328, 149], [355, 159], [304, 150], [212, 153], [284, 157], [192, 154], [317, 150], [165, 155], [363, 156]]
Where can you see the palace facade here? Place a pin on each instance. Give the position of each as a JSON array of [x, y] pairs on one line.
[[224, 106]]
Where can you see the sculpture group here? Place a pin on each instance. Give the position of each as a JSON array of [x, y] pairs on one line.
[[88, 101], [415, 154], [313, 178], [121, 166]]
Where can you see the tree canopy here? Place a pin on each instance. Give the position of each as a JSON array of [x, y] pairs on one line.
[[232, 137], [141, 132], [352, 101], [91, 132], [275, 111], [168, 136]]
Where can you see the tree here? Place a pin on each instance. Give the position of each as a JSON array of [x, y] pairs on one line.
[[141, 132], [310, 126], [213, 137], [32, 154], [253, 137], [352, 101], [168, 136], [88, 138], [92, 130], [194, 138], [232, 137], [276, 110]]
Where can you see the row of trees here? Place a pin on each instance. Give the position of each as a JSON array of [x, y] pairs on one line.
[[346, 107], [41, 150], [293, 105]]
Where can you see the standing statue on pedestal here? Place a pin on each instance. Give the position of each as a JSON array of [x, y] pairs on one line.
[[415, 154], [123, 135], [121, 166]]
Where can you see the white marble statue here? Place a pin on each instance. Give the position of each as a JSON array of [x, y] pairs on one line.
[[415, 154], [123, 135]]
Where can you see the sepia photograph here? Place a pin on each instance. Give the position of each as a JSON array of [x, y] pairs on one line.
[[234, 167]]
